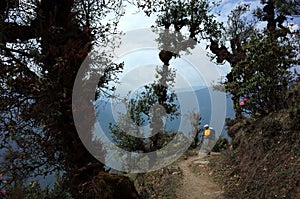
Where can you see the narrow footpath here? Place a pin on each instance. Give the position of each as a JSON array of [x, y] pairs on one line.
[[197, 183]]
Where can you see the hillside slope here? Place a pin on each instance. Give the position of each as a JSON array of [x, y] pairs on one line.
[[265, 159]]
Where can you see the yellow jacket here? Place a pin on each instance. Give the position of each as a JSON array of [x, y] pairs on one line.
[[207, 133]]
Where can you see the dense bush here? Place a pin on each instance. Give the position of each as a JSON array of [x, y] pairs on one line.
[[34, 190], [220, 145]]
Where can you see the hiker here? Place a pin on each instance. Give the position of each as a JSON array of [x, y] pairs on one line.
[[208, 136]]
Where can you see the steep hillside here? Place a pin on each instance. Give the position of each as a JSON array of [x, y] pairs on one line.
[[265, 159]]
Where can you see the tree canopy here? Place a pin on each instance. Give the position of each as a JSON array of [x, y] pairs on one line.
[[42, 46]]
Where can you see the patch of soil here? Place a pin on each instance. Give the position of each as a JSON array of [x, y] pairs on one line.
[[197, 182], [190, 177], [159, 184]]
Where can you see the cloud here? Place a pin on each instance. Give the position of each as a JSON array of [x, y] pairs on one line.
[[135, 19], [140, 70], [227, 6]]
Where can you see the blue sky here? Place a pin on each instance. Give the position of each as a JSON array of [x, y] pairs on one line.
[[133, 20]]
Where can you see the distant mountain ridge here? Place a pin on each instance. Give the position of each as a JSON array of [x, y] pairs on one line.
[[105, 116]]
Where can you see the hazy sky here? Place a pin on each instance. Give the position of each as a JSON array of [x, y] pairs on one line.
[[140, 62], [134, 20]]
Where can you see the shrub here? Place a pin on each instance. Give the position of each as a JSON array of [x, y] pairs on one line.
[[220, 145]]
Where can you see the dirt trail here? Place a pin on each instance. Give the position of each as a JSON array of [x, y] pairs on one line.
[[197, 183]]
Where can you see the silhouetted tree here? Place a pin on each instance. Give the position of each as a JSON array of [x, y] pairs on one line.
[[42, 46]]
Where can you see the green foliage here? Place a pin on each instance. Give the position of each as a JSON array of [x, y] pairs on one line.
[[264, 76], [240, 27], [142, 109], [195, 119], [263, 59], [282, 7], [40, 59], [34, 190], [194, 15], [221, 145], [191, 14]]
